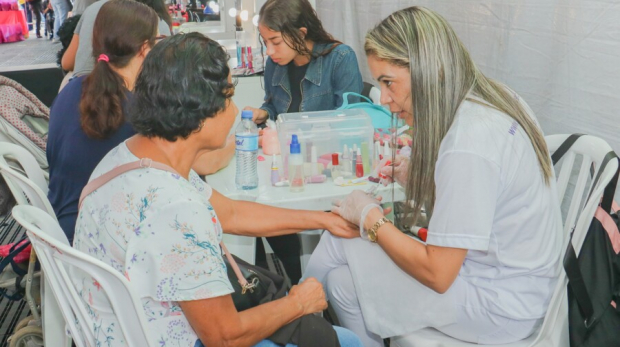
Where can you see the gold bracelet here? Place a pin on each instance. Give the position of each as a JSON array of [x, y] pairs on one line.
[[372, 233]]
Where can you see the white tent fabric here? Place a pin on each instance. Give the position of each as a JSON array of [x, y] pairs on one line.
[[561, 56]]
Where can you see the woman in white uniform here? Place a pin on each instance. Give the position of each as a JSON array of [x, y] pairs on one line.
[[481, 169]]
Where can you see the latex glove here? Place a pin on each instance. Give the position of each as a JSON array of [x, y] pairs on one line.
[[355, 206], [259, 115], [400, 173]]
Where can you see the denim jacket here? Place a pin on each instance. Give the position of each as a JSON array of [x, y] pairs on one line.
[[327, 78]]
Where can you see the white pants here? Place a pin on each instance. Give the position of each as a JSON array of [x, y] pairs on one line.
[[474, 322]]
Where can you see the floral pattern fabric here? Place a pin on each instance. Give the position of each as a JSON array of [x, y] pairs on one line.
[[160, 231]]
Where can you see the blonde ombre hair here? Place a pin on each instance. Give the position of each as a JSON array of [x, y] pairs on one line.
[[442, 76]]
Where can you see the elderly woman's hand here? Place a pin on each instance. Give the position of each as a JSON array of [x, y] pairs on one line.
[[355, 206], [310, 295], [340, 227], [400, 173]]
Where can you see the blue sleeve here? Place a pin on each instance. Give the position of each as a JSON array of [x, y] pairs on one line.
[[347, 76], [268, 105]]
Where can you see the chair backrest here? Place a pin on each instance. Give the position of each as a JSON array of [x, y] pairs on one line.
[[575, 175], [581, 208], [12, 153], [25, 191], [58, 259], [26, 180]]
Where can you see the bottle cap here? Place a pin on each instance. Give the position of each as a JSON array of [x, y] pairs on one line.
[[246, 114], [295, 147], [335, 159]]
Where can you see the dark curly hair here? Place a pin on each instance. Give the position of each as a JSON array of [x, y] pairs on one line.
[[184, 80]]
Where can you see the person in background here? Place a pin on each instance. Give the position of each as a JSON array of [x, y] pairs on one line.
[[79, 6], [480, 167], [88, 117], [307, 70], [48, 13], [36, 9], [61, 10], [162, 228], [78, 57], [162, 11]]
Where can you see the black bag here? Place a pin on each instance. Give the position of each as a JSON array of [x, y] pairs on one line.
[[594, 276], [265, 285]]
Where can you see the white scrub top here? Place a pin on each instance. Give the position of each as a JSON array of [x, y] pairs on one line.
[[490, 199]]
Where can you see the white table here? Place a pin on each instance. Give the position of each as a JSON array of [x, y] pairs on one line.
[[317, 197]]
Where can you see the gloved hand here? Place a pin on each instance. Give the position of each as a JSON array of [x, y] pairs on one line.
[[355, 206], [400, 174]]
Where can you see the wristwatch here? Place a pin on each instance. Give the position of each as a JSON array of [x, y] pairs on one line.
[[372, 232]]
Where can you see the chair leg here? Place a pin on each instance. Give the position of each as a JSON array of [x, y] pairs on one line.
[[53, 322]]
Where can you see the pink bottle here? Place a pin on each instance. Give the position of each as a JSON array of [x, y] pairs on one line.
[[271, 144]]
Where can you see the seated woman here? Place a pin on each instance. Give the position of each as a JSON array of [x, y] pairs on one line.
[[87, 118], [78, 57], [161, 230], [307, 70], [481, 169]]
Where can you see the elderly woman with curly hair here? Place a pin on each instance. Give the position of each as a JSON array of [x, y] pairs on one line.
[[161, 228]]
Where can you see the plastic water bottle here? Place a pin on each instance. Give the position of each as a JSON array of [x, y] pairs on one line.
[[246, 141]]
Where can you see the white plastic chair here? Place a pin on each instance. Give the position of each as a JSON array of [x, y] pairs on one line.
[[57, 257], [554, 330], [29, 185]]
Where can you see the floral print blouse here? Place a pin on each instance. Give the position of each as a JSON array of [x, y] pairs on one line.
[[160, 231]]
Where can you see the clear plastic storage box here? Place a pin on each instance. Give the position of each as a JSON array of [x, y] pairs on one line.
[[328, 132]]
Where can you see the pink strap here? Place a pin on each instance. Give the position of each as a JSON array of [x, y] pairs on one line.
[[119, 170], [610, 227], [242, 281], [149, 163]]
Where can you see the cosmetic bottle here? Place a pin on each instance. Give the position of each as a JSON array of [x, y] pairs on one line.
[[275, 172], [365, 157], [316, 179], [314, 168], [359, 165], [345, 166], [296, 169], [335, 166], [353, 157], [271, 144], [387, 151]]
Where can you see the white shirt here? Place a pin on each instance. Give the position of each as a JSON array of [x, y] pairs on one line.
[[492, 200], [160, 231]]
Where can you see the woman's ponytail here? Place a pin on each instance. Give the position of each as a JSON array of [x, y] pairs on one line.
[[101, 106], [120, 32]]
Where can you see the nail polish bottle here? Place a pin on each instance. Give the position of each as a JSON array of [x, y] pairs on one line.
[[359, 165], [335, 166]]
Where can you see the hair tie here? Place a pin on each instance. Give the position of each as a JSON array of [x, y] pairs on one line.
[[103, 57]]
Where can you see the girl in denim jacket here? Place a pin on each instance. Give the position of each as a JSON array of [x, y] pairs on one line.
[[307, 70]]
